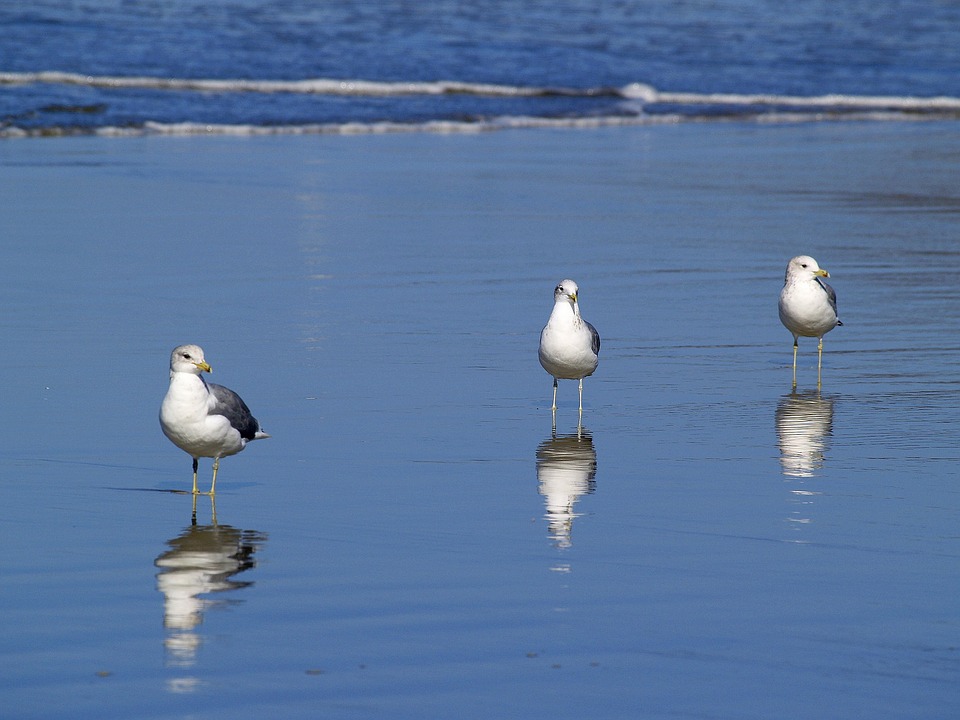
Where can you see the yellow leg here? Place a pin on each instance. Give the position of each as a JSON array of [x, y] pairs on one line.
[[195, 476], [213, 486], [554, 406], [581, 396]]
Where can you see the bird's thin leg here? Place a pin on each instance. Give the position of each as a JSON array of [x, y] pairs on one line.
[[581, 397], [554, 406], [795, 345], [193, 514], [213, 486], [819, 359], [195, 463], [213, 509]]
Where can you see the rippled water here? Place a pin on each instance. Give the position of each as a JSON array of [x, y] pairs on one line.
[[261, 66], [414, 540]]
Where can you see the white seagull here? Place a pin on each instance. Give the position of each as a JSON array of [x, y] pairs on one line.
[[201, 418], [808, 306], [569, 345]]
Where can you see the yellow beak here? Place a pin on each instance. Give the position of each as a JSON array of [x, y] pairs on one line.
[[204, 366], [573, 297], [822, 273]]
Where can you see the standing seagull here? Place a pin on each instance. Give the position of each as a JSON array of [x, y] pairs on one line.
[[808, 306], [569, 345], [201, 418]]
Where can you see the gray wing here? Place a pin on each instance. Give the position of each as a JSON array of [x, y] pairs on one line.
[[594, 337], [831, 296], [234, 409]]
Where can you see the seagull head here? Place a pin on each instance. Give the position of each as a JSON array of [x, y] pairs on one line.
[[189, 359], [566, 290], [805, 266]]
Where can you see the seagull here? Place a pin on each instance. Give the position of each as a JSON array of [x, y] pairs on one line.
[[569, 345], [808, 306], [201, 418]]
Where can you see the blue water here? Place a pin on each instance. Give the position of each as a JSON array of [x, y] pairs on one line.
[[416, 540], [78, 67]]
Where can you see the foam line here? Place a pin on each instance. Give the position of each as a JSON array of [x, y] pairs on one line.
[[640, 92]]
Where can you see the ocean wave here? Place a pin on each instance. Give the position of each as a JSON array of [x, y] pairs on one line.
[[650, 95], [346, 128], [511, 107], [185, 129], [316, 86], [638, 92]]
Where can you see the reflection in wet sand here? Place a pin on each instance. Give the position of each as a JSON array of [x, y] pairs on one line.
[[566, 469], [201, 560], [804, 424]]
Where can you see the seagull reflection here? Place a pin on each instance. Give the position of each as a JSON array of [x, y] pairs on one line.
[[804, 424], [201, 560], [566, 469]]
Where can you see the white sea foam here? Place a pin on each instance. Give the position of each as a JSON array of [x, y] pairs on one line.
[[185, 129], [317, 86], [385, 127], [635, 104], [832, 101], [639, 92]]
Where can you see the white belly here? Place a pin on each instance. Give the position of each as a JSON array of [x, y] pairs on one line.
[[567, 361], [184, 420]]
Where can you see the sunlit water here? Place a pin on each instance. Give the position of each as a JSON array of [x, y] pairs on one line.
[[240, 67], [414, 540]]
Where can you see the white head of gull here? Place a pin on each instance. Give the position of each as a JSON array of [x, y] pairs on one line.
[[204, 419]]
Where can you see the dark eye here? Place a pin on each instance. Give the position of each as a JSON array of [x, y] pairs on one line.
[[804, 265]]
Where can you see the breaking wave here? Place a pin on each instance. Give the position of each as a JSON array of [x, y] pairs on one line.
[[633, 104]]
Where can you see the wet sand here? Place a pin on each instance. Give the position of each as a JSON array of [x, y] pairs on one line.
[[413, 540]]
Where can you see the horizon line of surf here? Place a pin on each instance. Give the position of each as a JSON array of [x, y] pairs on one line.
[[192, 128], [643, 93]]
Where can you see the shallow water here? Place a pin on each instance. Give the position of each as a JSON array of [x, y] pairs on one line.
[[414, 540]]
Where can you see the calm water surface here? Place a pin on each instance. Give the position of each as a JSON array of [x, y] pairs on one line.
[[415, 541]]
